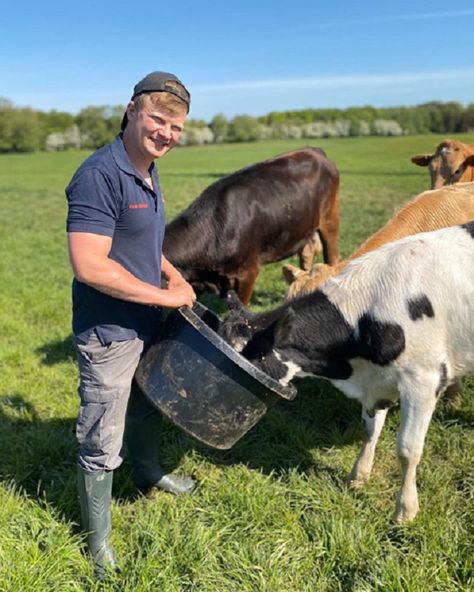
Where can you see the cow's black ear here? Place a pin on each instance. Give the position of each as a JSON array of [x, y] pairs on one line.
[[284, 327], [233, 301]]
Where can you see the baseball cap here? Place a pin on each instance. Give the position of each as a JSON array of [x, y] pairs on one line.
[[159, 82]]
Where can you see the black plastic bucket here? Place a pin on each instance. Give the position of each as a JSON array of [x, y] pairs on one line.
[[202, 384]]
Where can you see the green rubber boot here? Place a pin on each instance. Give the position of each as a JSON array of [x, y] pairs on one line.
[[95, 492], [142, 440]]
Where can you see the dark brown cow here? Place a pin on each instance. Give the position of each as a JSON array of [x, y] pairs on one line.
[[260, 214], [452, 162]]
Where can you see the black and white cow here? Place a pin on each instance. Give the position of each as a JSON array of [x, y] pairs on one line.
[[396, 325]]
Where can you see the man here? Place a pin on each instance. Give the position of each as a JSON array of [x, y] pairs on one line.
[[115, 232]]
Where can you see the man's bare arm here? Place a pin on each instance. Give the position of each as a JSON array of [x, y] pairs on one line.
[[91, 264]]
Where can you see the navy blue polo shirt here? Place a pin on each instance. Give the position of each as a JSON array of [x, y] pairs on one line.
[[108, 196]]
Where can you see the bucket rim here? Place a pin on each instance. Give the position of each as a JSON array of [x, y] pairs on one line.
[[288, 392]]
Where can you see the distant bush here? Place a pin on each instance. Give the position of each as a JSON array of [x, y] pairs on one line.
[[196, 136], [323, 129], [71, 138], [384, 127]]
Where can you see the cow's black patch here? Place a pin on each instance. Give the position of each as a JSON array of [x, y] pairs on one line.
[[320, 334], [380, 342], [443, 379], [469, 226], [335, 368], [417, 307], [312, 332]]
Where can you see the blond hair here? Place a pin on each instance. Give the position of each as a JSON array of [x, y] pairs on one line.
[[164, 100]]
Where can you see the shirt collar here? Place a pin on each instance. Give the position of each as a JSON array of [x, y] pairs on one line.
[[124, 163]]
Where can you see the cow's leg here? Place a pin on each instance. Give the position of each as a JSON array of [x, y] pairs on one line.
[[329, 233], [363, 466], [247, 282], [311, 250], [416, 409]]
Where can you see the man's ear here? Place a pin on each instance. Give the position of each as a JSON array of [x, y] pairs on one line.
[[422, 159], [131, 109]]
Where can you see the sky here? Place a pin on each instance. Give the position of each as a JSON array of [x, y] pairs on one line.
[[239, 57]]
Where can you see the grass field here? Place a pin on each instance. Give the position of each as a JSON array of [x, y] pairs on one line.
[[270, 515]]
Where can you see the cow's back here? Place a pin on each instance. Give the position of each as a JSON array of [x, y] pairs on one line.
[[262, 213], [419, 282]]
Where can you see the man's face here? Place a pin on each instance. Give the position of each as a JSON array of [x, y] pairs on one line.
[[154, 129]]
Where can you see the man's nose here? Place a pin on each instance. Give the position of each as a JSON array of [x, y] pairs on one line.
[[164, 131]]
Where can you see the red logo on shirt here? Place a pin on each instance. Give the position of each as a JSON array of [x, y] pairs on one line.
[[138, 206]]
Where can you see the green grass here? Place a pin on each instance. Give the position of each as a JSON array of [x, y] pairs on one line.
[[270, 515]]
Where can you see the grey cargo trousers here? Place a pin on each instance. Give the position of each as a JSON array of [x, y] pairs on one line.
[[108, 396]]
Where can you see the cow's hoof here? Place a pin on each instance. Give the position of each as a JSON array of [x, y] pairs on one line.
[[404, 515], [356, 482]]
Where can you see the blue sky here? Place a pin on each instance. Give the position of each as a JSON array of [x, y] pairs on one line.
[[239, 57]]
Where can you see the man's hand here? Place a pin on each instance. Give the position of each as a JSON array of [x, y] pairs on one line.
[[181, 293], [177, 285]]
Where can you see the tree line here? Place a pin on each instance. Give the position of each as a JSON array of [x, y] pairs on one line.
[[23, 129]]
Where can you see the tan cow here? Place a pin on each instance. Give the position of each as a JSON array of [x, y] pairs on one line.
[[452, 162], [430, 210]]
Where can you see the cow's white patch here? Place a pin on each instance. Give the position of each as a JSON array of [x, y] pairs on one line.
[[292, 370], [239, 344]]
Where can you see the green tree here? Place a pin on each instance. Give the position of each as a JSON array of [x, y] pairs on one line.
[[99, 125], [56, 121], [20, 129], [468, 119], [244, 128], [220, 128]]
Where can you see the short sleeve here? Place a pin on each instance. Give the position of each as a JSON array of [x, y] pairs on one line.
[[93, 204]]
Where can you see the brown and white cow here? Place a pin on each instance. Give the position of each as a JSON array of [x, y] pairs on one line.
[[451, 162], [260, 214]]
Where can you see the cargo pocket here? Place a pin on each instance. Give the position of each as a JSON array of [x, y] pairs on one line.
[[97, 419]]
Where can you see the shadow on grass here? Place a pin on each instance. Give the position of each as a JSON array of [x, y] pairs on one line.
[[39, 455], [56, 352], [319, 418]]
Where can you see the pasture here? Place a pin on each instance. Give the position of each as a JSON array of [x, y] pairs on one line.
[[272, 514]]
